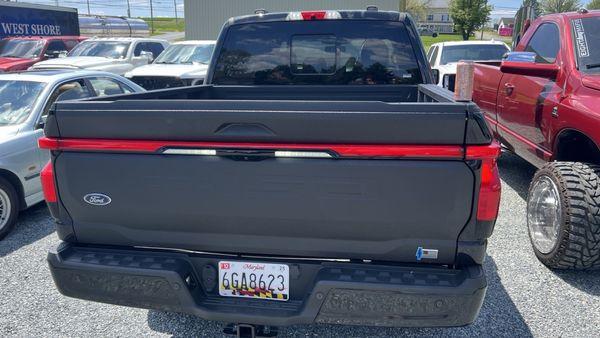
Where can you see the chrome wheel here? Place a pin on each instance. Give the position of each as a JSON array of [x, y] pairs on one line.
[[544, 214], [5, 208]]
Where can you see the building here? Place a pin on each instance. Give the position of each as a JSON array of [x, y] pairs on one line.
[[506, 23], [506, 26], [438, 17], [204, 18]]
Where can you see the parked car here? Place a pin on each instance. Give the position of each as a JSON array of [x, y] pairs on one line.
[[423, 31], [314, 178], [115, 55], [444, 56], [183, 63], [542, 103], [25, 99], [20, 53]]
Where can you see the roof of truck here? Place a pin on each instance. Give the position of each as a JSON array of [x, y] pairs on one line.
[[372, 14], [51, 75], [62, 37], [127, 39], [472, 42], [195, 42], [582, 13]]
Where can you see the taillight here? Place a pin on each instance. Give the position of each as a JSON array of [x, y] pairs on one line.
[[48, 183], [488, 202], [313, 15]]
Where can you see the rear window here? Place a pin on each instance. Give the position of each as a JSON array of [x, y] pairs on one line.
[[317, 52]]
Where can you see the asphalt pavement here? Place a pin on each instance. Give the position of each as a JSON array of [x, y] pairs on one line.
[[523, 299]]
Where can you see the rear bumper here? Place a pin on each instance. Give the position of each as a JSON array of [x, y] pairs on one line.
[[320, 292]]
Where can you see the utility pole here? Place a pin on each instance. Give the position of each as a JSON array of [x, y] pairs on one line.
[[151, 17], [175, 5], [56, 3], [128, 9], [88, 6], [402, 6]]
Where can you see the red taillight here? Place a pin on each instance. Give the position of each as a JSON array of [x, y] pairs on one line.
[[313, 15], [48, 184], [48, 143], [490, 187]]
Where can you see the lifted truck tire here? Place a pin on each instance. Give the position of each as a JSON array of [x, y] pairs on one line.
[[9, 207], [566, 194]]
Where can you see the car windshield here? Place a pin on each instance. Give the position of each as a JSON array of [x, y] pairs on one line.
[[21, 48], [323, 52], [478, 52], [586, 37], [186, 54], [108, 49], [17, 99]]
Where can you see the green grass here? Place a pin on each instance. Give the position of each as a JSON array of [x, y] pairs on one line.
[[428, 40], [164, 25]]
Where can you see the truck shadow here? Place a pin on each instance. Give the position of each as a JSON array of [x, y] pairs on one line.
[[498, 317], [33, 224], [586, 281], [516, 172]]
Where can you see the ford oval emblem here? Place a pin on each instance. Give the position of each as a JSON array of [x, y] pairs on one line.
[[97, 199]]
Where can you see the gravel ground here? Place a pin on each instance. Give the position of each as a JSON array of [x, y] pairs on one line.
[[523, 299]]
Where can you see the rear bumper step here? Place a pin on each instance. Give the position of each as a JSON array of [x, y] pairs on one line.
[[320, 292]]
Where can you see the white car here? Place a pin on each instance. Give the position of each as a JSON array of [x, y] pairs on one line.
[[25, 100], [183, 63], [444, 56], [115, 55]]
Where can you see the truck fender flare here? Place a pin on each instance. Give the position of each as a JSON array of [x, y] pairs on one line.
[[565, 132]]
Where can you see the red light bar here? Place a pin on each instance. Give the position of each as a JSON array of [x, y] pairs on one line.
[[342, 150]]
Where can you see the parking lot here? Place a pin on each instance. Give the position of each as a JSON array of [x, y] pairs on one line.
[[524, 298]]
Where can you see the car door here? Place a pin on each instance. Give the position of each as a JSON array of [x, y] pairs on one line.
[[139, 59], [104, 86], [526, 103], [66, 90], [55, 48]]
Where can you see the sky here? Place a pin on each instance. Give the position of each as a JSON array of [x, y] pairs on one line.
[[165, 8]]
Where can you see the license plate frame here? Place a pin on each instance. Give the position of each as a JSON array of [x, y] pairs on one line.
[[254, 280]]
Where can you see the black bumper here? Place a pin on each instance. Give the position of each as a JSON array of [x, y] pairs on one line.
[[320, 292]]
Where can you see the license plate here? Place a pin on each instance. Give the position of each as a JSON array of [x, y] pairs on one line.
[[254, 280]]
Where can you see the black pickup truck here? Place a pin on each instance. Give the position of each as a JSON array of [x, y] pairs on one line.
[[319, 176]]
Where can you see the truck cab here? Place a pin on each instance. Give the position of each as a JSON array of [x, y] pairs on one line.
[[20, 53], [183, 63], [542, 103], [115, 55], [444, 56]]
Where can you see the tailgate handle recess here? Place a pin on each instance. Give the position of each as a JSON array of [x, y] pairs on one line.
[[245, 130]]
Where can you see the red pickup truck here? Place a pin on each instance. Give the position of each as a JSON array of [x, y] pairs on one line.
[[20, 53], [541, 102]]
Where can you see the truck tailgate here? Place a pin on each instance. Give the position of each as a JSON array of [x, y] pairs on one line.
[[250, 190]]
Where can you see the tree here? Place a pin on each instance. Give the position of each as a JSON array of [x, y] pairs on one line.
[[535, 5], [594, 4], [416, 8], [559, 6], [469, 15]]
